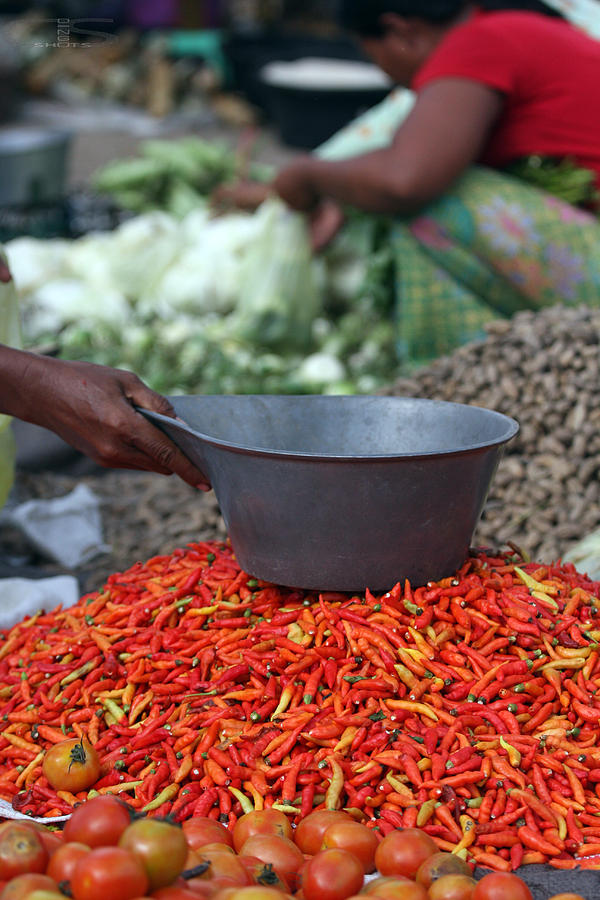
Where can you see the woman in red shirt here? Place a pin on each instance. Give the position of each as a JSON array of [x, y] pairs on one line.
[[495, 84]]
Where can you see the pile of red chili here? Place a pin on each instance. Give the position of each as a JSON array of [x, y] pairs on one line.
[[468, 707]]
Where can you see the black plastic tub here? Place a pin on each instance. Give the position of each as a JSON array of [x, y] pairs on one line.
[[306, 119], [247, 54], [312, 98]]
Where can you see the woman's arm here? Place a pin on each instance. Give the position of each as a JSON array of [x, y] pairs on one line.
[[92, 408], [444, 133]]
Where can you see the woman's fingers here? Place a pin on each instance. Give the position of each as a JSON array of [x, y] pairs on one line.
[[150, 440], [325, 224], [166, 456], [245, 195]]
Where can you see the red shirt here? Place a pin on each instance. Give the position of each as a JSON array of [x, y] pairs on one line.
[[549, 73]]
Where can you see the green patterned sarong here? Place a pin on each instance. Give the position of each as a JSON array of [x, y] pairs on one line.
[[491, 246]]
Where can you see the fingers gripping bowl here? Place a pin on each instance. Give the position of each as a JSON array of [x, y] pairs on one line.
[[344, 493]]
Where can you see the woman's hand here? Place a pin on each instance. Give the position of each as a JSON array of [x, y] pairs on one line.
[[325, 224], [294, 185], [92, 408], [245, 195]]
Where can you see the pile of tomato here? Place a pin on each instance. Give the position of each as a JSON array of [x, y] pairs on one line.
[[105, 852]]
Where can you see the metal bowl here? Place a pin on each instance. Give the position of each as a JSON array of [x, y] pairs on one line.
[[344, 493]]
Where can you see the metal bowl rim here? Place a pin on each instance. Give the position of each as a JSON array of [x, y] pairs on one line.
[[512, 428]]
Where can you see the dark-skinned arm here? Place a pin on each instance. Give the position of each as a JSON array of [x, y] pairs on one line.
[[444, 134], [92, 408]]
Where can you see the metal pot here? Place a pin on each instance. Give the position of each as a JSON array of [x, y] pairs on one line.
[[344, 493], [33, 166]]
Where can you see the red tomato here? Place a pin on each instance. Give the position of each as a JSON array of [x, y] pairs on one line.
[[408, 890], [263, 873], [403, 852], [62, 863], [21, 886], [567, 897], [52, 840], [309, 831], [98, 823], [220, 848], [215, 888], [387, 888], [441, 864], [332, 875], [21, 851], [201, 830], [261, 821], [501, 886], [43, 894], [221, 864], [174, 892], [452, 887], [160, 846], [253, 892], [285, 857], [355, 838], [73, 765], [109, 872]]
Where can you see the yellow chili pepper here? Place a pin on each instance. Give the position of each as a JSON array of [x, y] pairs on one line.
[[468, 829], [113, 708], [408, 705], [332, 797], [425, 813], [119, 788], [562, 826], [32, 620], [36, 761], [203, 611], [245, 802], [413, 653], [168, 793], [573, 652], [534, 585], [405, 675], [545, 600], [256, 796], [577, 662], [514, 757], [398, 785], [139, 706], [421, 643], [78, 673], [346, 739], [129, 693], [284, 701]]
